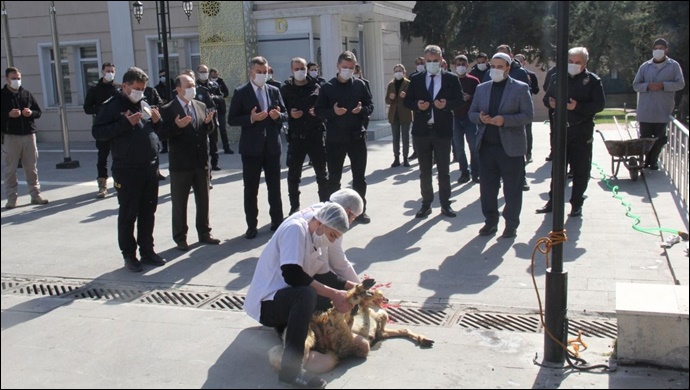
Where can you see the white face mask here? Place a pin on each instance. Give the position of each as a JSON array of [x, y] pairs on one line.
[[433, 67], [162, 79], [574, 69], [420, 68], [203, 76], [135, 96], [482, 66], [398, 75], [269, 76], [189, 94], [214, 79], [320, 241], [346, 74], [497, 75], [260, 79], [461, 70], [109, 76], [300, 75], [658, 54], [15, 84], [314, 73]]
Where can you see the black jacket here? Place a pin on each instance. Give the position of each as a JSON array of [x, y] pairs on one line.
[[349, 126], [152, 97], [451, 90], [223, 87], [133, 147], [98, 94], [476, 72], [21, 100], [258, 138], [586, 89], [302, 98]]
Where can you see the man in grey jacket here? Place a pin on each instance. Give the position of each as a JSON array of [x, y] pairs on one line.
[[501, 108], [656, 83]]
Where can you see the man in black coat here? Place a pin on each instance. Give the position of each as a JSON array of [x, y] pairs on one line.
[[345, 103], [222, 110], [134, 144], [259, 109], [186, 125], [432, 96]]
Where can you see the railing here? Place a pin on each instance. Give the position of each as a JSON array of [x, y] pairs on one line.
[[675, 158]]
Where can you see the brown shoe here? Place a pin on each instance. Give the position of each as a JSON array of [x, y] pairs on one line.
[[39, 200], [209, 240]]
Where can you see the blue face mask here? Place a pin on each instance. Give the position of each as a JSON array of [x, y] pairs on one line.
[[433, 67]]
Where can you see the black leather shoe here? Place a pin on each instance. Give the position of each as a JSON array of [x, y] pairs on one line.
[[153, 258], [209, 240], [215, 168], [509, 233], [548, 207], [575, 212], [183, 246], [250, 233], [396, 163], [412, 156], [424, 212], [132, 264], [406, 163], [488, 230], [229, 151], [448, 211], [475, 179], [464, 178], [549, 157], [363, 218], [275, 226]]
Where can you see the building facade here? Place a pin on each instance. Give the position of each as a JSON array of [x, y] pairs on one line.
[[224, 35]]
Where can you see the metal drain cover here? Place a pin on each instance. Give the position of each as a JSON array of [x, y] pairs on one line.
[[227, 302], [410, 316], [499, 321]]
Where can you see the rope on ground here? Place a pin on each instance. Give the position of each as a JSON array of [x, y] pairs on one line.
[[578, 345], [628, 210]]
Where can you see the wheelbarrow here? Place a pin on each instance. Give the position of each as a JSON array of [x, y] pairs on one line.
[[630, 152]]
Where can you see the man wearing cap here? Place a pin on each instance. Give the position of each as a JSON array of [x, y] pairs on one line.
[[287, 287], [656, 83], [501, 108]]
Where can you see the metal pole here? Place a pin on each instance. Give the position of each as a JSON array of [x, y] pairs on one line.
[[556, 300], [67, 163], [6, 32], [163, 35]]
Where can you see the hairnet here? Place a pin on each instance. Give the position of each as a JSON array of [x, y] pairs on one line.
[[334, 216], [349, 199]]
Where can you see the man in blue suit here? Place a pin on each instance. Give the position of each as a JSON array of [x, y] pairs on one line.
[[501, 108], [432, 96], [259, 109]]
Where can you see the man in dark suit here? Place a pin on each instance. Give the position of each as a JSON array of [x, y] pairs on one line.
[[501, 108], [432, 96], [259, 109], [186, 124]]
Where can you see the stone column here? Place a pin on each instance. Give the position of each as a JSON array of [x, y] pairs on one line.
[[331, 45], [373, 68], [228, 40]]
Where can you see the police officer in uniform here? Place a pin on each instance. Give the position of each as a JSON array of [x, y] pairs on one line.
[[208, 92], [306, 131], [585, 99], [131, 133]]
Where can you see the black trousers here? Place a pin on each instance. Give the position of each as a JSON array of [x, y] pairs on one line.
[[137, 195], [356, 150], [578, 155], [292, 307], [530, 139], [213, 147], [430, 148], [658, 131], [223, 130], [298, 148], [496, 165], [102, 163], [180, 184], [251, 176]]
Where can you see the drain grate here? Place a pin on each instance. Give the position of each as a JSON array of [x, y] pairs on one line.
[[176, 298], [227, 302], [108, 294], [43, 289], [593, 328], [409, 316], [11, 284], [497, 321]]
